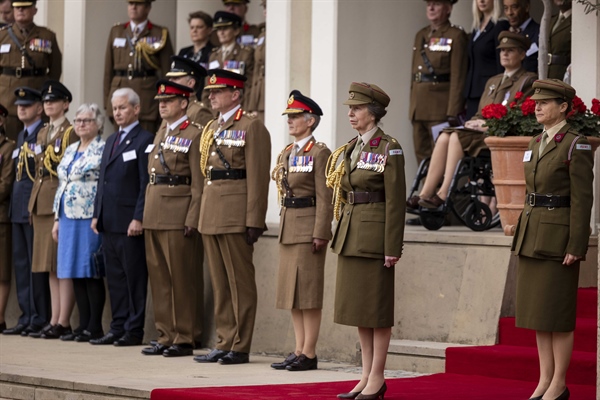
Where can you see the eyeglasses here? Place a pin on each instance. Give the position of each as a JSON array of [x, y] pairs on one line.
[[83, 121]]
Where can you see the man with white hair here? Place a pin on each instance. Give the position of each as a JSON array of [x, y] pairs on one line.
[[118, 213]]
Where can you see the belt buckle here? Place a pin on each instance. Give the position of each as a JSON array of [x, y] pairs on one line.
[[18, 72], [418, 77], [350, 197], [209, 174], [532, 199], [549, 58], [130, 73], [152, 180]]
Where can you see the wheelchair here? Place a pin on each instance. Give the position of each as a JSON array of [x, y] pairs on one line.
[[471, 185]]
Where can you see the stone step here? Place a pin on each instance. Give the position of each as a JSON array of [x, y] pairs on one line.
[[418, 356]]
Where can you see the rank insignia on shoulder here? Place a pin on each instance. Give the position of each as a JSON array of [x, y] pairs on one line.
[[309, 146], [238, 114], [583, 147]]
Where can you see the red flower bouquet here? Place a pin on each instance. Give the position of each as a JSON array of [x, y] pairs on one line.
[[518, 119], [583, 120]]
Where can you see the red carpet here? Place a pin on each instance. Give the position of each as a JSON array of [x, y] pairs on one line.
[[508, 370]]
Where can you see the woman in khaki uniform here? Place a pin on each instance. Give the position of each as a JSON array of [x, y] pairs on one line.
[[52, 141], [305, 229], [369, 236], [7, 175], [552, 234]]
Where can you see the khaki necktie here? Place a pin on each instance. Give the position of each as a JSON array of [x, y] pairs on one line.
[[543, 142], [356, 153], [50, 132]]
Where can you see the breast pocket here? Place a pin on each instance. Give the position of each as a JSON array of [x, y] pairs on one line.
[[371, 232]]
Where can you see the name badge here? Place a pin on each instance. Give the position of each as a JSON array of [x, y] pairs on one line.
[[527, 156], [129, 155], [214, 64], [396, 152], [149, 148], [15, 153], [247, 40], [5, 48], [37, 149], [583, 147], [119, 42]]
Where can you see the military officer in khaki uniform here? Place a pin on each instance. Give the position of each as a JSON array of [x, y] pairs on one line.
[[249, 33], [231, 55], [439, 68], [559, 46], [305, 229], [52, 141], [137, 54], [235, 158], [170, 223], [552, 234], [7, 175], [256, 103], [188, 72], [40, 60]]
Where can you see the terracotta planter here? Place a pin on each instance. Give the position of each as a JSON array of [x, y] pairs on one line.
[[509, 176]]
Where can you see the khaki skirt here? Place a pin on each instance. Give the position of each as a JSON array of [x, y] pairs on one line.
[[364, 293], [44, 247], [546, 295], [5, 252], [471, 141], [301, 277]]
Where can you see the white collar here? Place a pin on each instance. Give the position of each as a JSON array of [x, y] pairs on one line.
[[303, 142], [142, 25], [366, 137]]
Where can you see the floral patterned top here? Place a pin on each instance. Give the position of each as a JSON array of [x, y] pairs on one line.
[[78, 180]]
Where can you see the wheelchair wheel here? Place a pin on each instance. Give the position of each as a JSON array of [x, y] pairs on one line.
[[478, 216], [432, 220]]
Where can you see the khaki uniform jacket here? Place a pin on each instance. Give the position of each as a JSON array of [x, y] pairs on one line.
[[302, 225], [373, 230], [239, 53], [431, 101], [44, 187], [257, 93], [198, 112], [497, 91], [174, 207], [560, 45], [7, 175], [231, 206], [121, 56], [550, 233], [43, 49]]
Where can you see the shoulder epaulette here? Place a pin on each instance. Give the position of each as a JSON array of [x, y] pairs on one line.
[[5, 27], [320, 144], [289, 146], [197, 125], [215, 49], [352, 140]]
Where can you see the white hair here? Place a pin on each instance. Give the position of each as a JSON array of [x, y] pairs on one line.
[[132, 97], [95, 110]]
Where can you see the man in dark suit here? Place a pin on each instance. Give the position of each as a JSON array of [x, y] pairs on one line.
[[118, 215], [517, 13], [33, 293]]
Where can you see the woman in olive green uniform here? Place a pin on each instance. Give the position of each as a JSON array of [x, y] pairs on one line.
[[552, 234], [368, 239]]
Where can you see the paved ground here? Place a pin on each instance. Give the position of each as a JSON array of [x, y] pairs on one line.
[[92, 366]]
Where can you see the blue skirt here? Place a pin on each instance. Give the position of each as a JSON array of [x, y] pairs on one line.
[[77, 243]]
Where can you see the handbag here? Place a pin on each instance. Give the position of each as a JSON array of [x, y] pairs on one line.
[[98, 263]]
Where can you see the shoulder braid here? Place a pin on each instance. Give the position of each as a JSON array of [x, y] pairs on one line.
[[206, 140], [333, 180], [51, 156]]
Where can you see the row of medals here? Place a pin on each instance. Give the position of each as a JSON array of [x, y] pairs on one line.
[[372, 162], [176, 144]]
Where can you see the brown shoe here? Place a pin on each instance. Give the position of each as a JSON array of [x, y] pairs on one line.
[[433, 202], [413, 202]]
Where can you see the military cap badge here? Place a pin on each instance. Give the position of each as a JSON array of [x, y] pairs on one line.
[[213, 79], [21, 93], [291, 100], [505, 40], [162, 89], [50, 89]]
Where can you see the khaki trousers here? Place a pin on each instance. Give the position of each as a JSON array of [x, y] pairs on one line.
[[422, 138]]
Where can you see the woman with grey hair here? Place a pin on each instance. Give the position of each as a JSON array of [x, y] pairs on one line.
[[78, 245]]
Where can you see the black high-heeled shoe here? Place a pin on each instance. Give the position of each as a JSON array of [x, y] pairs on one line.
[[564, 395], [537, 397], [349, 395], [375, 396]]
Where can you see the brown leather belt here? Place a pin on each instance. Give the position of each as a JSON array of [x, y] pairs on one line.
[[548, 200], [420, 77], [217, 174], [299, 202], [19, 72], [172, 180], [554, 59], [135, 74], [365, 197]]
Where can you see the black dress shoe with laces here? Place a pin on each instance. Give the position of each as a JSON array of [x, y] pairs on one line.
[[179, 350], [31, 329], [57, 331], [235, 357], [288, 360], [212, 357], [128, 340], [86, 336], [156, 350], [15, 330], [303, 363], [109, 338], [38, 334]]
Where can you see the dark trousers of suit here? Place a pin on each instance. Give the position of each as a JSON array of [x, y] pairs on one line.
[[234, 289], [127, 279], [33, 291]]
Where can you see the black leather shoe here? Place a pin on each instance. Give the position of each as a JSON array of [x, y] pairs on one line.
[[43, 331], [15, 330], [564, 395], [349, 395], [288, 360], [303, 363], [31, 329], [69, 337], [128, 340], [2, 327], [413, 222], [211, 357], [109, 338], [57, 331], [86, 336], [179, 350], [234, 357], [156, 350]]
